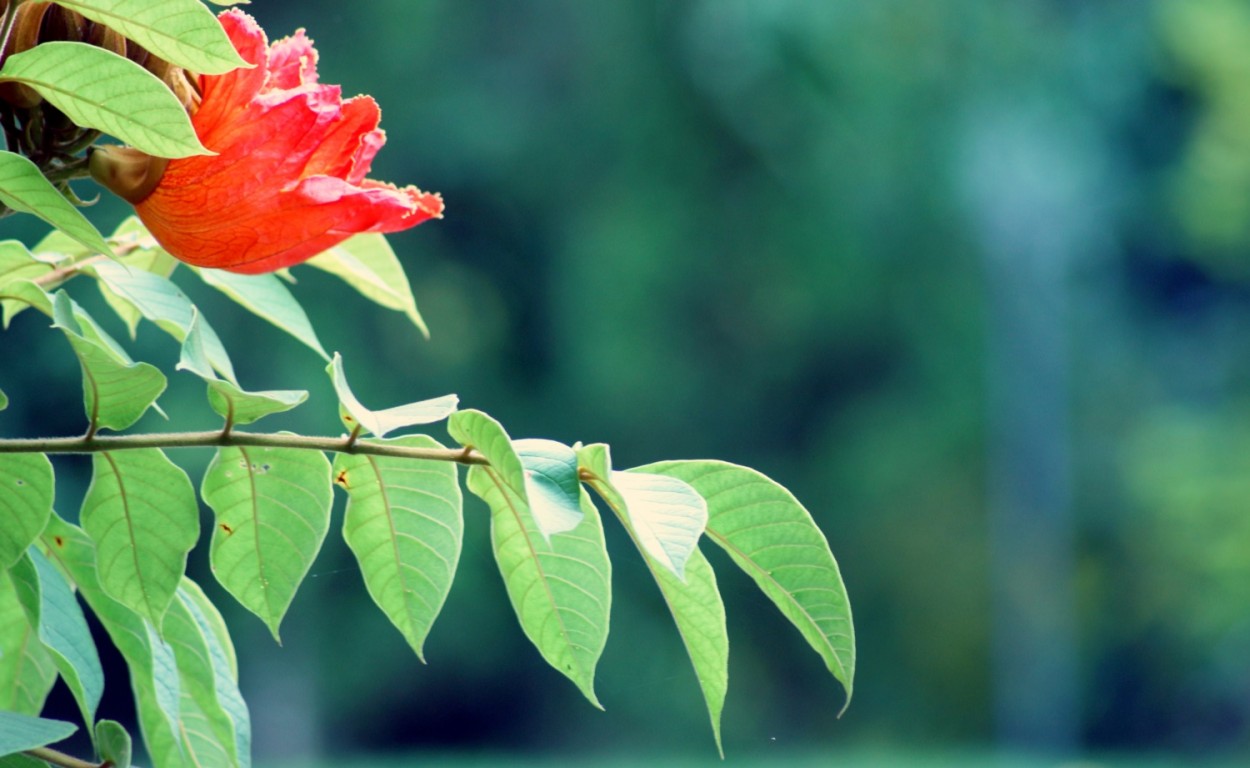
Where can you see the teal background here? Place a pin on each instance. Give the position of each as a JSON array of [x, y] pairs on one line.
[[969, 278]]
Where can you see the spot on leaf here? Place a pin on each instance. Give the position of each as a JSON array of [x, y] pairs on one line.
[[228, 530], [20, 481], [341, 478], [59, 541]]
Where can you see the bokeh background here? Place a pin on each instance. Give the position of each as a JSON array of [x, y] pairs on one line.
[[970, 278]]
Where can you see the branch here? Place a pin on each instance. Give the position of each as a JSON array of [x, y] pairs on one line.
[[61, 759], [215, 439]]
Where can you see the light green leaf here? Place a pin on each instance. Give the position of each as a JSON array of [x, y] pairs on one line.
[[21, 732], [551, 484], [272, 508], [4, 400], [98, 89], [26, 671], [63, 631], [141, 512], [17, 295], [56, 246], [666, 514], [367, 263], [113, 743], [17, 263], [266, 297], [227, 399], [379, 423], [137, 249], [197, 675], [115, 393], [26, 491], [24, 188], [560, 587], [475, 429], [182, 32], [225, 666], [695, 603], [405, 526], [162, 302], [772, 538], [153, 670], [21, 760]]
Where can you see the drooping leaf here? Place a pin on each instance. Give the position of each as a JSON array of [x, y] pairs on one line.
[[113, 743], [21, 732], [197, 674], [162, 302], [135, 247], [272, 508], [17, 295], [26, 671], [63, 631], [560, 587], [694, 602], [405, 526], [141, 512], [99, 89], [153, 667], [666, 514], [225, 666], [227, 399], [772, 538], [115, 393], [26, 491], [24, 188], [379, 423], [367, 263], [182, 32], [266, 297]]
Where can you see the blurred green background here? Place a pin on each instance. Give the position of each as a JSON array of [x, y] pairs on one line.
[[970, 278]]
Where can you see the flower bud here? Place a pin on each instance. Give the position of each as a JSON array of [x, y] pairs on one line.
[[126, 172]]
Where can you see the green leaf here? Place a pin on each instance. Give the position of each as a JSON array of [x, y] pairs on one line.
[[405, 526], [137, 249], [115, 393], [379, 423], [141, 512], [24, 188], [772, 538], [21, 760], [182, 32], [17, 263], [26, 671], [266, 297], [162, 302], [559, 587], [63, 631], [225, 666], [694, 602], [113, 743], [4, 400], [475, 429], [17, 295], [98, 89], [153, 671], [22, 732], [666, 514], [26, 491], [272, 508], [367, 263]]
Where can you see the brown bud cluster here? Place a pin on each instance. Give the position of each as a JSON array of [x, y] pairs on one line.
[[39, 130]]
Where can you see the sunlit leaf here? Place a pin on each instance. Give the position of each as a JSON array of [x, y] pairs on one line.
[[63, 631], [272, 508], [164, 303], [404, 524], [24, 188], [560, 587], [772, 538], [115, 393], [135, 247], [551, 485], [21, 732], [367, 263], [266, 297], [113, 743], [182, 32], [694, 602], [141, 512], [666, 514], [99, 89], [26, 491], [379, 423], [17, 263], [26, 670], [225, 667], [17, 295]]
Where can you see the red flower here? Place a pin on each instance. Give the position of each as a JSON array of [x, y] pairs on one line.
[[288, 180]]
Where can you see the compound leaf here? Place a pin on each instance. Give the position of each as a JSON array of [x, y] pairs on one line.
[[404, 525]]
